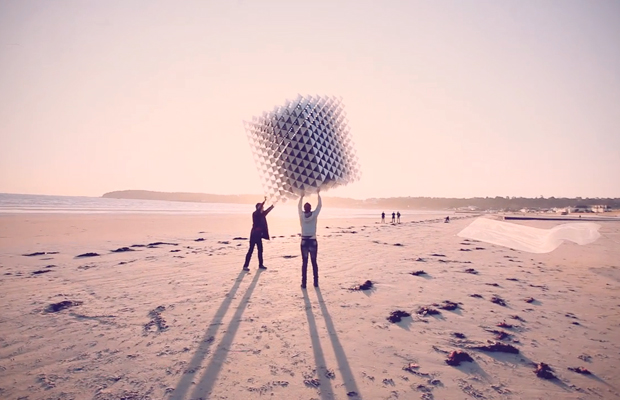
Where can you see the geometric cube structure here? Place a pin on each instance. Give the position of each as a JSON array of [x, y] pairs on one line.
[[302, 146]]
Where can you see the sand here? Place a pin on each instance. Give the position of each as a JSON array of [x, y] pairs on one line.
[[180, 320]]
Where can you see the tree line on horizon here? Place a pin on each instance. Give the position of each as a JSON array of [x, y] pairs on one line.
[[392, 203], [498, 202]]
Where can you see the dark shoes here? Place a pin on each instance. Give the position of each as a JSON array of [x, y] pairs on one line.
[[260, 267]]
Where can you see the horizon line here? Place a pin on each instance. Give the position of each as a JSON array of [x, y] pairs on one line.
[[325, 195]]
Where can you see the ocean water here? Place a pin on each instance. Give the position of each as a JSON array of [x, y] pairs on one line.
[[26, 203]]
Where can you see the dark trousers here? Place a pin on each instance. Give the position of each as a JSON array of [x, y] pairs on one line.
[[258, 242], [311, 247]]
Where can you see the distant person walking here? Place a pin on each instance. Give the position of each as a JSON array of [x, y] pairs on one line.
[[447, 220], [259, 232], [398, 217], [309, 246], [383, 217], [393, 218]]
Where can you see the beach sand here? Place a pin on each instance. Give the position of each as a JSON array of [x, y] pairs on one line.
[[180, 320]]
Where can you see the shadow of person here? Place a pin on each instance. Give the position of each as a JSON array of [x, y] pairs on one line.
[[203, 348], [205, 385], [341, 357], [325, 388]]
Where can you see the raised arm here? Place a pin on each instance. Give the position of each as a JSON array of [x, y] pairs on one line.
[[269, 209], [318, 206], [301, 200]]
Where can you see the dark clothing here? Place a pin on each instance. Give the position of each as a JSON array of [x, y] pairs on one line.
[[311, 247], [259, 231], [259, 223], [258, 242]]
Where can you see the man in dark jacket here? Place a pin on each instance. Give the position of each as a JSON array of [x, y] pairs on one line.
[[259, 232]]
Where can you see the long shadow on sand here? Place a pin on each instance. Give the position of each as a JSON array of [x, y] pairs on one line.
[[184, 383], [601, 380], [204, 387], [325, 388], [341, 357]]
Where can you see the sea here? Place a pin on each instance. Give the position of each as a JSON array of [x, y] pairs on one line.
[[45, 204]]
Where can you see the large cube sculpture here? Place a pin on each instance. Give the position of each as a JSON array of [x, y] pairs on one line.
[[303, 146]]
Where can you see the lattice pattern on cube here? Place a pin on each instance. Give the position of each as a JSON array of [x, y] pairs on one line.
[[303, 146]]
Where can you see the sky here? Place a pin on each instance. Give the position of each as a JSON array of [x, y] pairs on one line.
[[443, 98]]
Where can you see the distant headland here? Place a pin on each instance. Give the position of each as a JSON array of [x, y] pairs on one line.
[[497, 203]]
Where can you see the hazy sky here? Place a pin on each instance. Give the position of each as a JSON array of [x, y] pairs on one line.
[[444, 98]]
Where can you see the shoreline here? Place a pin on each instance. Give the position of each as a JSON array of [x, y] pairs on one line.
[[455, 205]]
